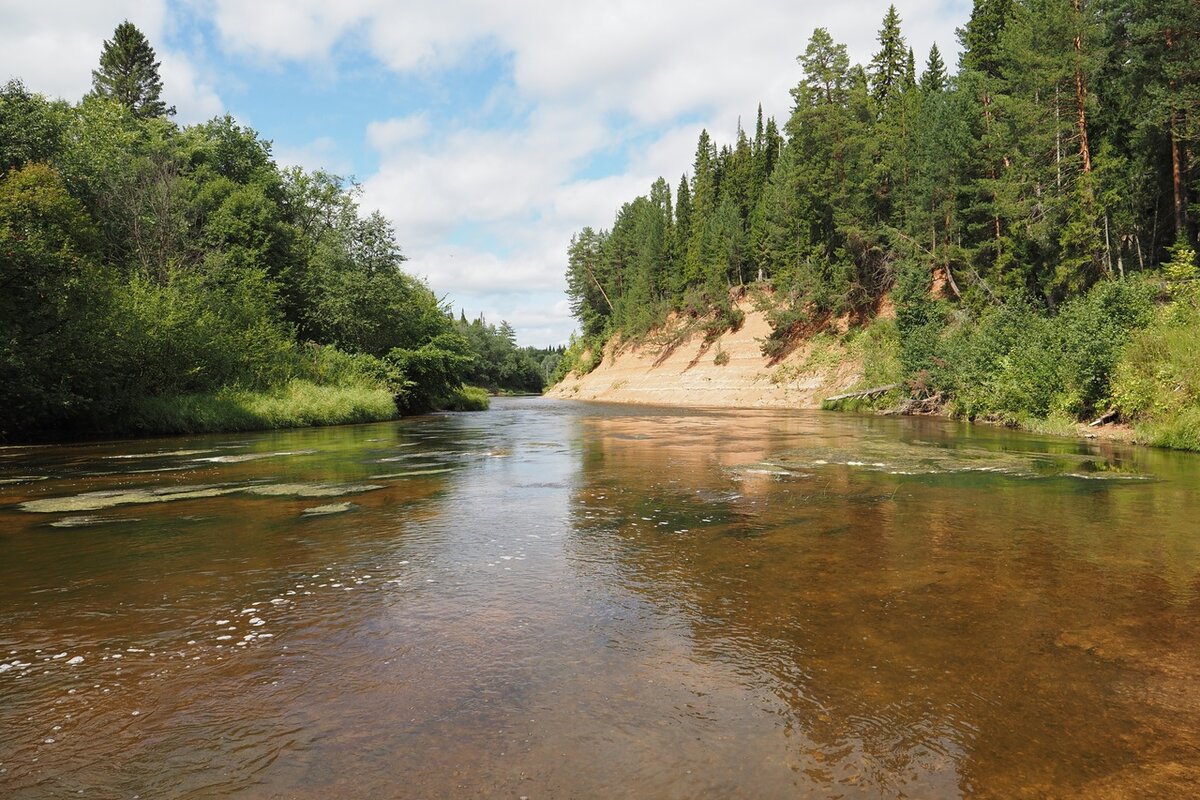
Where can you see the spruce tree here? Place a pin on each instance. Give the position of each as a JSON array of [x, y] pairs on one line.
[[128, 73], [890, 65], [933, 79], [980, 37]]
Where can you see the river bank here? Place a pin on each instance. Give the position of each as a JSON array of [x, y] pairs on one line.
[[679, 366]]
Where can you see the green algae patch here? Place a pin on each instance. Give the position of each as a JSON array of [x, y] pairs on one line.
[[413, 473], [918, 458], [310, 489], [86, 521], [96, 501], [326, 510], [243, 457], [22, 479]]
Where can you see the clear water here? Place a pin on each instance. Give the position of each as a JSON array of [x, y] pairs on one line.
[[570, 600]]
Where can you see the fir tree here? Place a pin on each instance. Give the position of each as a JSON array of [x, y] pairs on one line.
[[933, 79], [128, 73], [980, 37], [890, 65]]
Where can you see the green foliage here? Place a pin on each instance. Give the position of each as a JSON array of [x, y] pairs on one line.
[[31, 127], [1017, 363], [56, 303], [1157, 378], [433, 371], [128, 73], [467, 398], [499, 364], [879, 348], [583, 354], [145, 266], [1181, 272], [293, 405]]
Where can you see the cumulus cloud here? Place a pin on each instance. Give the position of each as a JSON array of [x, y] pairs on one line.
[[54, 46], [322, 153], [389, 134], [194, 97]]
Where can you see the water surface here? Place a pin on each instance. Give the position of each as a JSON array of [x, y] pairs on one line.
[[570, 600]]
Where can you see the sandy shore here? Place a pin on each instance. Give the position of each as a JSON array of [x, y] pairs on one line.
[[730, 372]]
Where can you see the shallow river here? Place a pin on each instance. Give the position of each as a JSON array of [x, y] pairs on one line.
[[554, 600]]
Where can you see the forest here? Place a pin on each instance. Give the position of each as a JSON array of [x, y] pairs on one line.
[[159, 278], [1031, 218]]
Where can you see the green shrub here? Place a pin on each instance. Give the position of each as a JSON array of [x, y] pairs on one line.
[[1157, 378], [467, 398], [1015, 362], [583, 354]]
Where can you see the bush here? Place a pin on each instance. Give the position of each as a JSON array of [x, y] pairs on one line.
[[467, 398], [1157, 378], [583, 354], [1016, 362]]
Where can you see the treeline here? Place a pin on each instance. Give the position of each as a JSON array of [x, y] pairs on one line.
[[1059, 156], [159, 277], [501, 365]]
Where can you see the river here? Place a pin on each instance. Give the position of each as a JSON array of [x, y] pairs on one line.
[[554, 599]]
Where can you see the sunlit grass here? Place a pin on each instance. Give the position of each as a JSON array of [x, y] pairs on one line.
[[295, 405]]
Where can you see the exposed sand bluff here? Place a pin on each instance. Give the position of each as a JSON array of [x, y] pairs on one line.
[[688, 374]]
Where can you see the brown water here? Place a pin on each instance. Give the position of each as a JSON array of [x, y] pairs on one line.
[[567, 600]]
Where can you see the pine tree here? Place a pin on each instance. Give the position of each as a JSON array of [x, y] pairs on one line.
[[128, 73]]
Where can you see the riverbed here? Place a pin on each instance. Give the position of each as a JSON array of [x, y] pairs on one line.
[[561, 599]]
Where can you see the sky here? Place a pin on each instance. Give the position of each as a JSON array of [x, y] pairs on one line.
[[487, 131]]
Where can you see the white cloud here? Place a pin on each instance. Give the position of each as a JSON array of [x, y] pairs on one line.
[[322, 153], [194, 98], [54, 46], [580, 68], [288, 29], [387, 135]]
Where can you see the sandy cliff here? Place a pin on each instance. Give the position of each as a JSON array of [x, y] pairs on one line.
[[688, 371]]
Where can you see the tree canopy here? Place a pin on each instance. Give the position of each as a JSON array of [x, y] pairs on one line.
[[128, 73]]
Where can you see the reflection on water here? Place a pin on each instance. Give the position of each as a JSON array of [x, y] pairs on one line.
[[569, 600]]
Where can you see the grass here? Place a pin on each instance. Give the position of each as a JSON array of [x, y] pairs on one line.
[[1157, 379], [297, 404], [467, 398], [1179, 431]]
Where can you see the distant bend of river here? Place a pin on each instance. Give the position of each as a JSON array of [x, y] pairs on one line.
[[555, 600]]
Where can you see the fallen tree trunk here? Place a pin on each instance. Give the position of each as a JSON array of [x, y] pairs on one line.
[[864, 394], [916, 407]]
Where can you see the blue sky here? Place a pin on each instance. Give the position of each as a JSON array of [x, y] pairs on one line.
[[487, 132]]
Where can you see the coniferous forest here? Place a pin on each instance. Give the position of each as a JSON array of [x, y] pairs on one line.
[[1031, 216], [163, 278]]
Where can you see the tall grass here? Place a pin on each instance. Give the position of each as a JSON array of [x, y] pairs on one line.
[[1157, 381], [296, 404], [466, 398]]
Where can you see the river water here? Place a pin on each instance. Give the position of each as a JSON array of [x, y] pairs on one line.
[[557, 599]]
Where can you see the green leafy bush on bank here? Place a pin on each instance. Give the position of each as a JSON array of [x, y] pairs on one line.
[[1014, 362], [1157, 382]]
